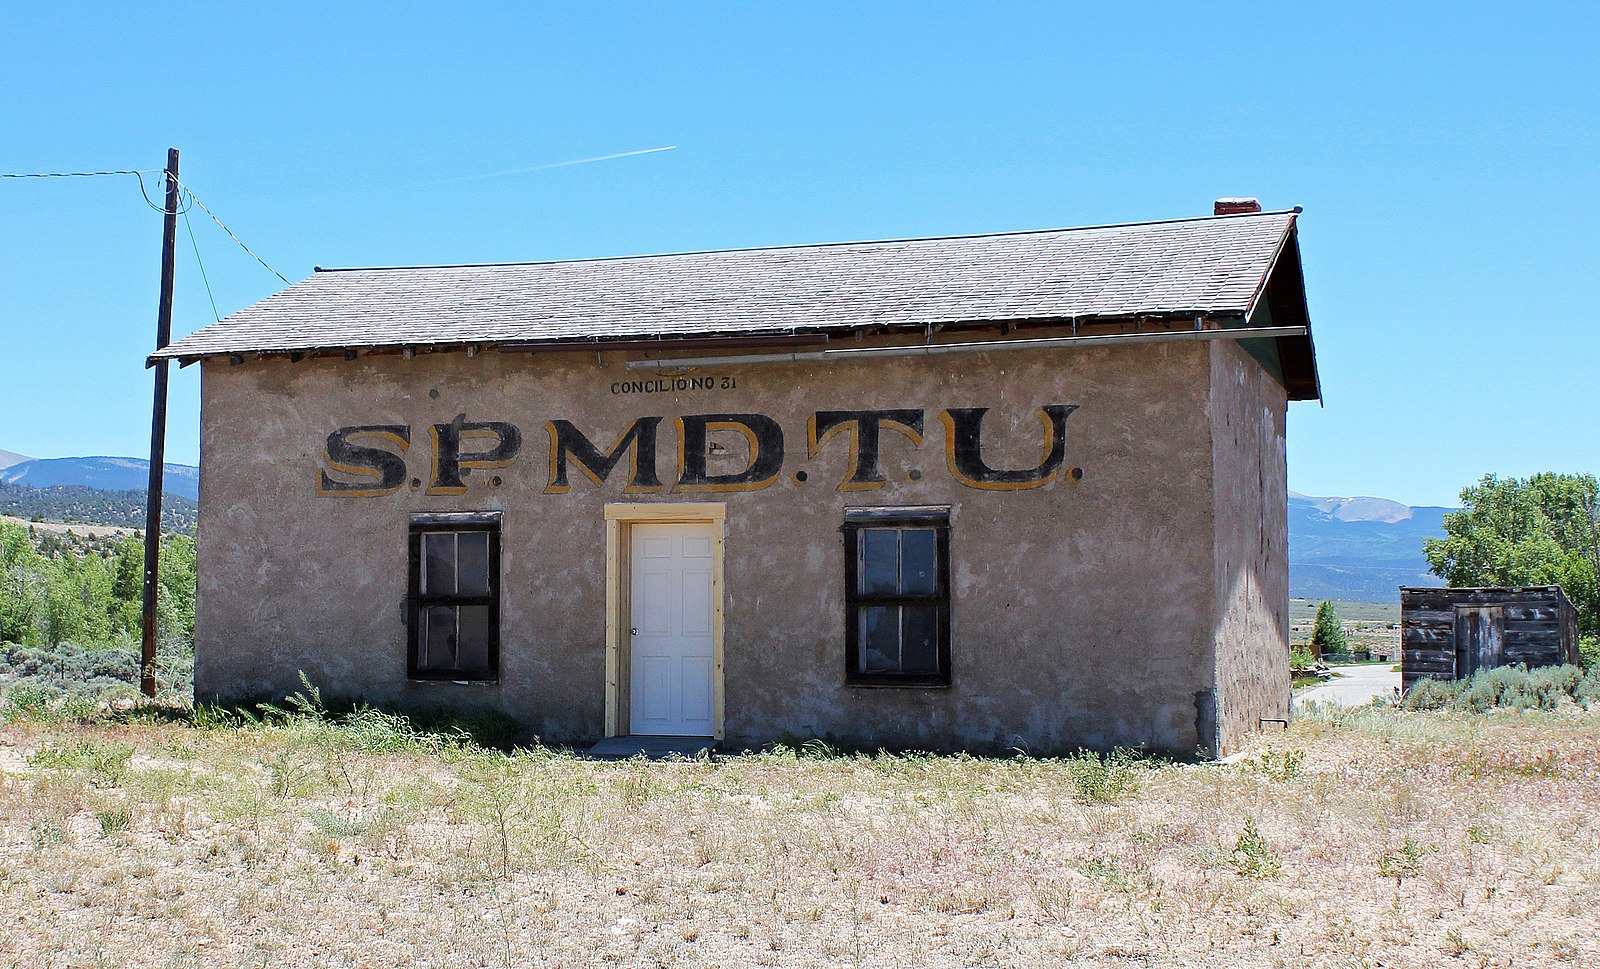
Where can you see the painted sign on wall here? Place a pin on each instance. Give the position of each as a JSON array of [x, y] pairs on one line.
[[364, 460]]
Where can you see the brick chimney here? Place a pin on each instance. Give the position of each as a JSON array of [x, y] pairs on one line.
[[1236, 206]]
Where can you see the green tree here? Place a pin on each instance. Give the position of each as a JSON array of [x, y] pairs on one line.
[[63, 616], [22, 585], [1541, 530], [61, 587], [1327, 636], [175, 604], [127, 587], [129, 568]]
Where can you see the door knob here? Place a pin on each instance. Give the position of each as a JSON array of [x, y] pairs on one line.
[[634, 631]]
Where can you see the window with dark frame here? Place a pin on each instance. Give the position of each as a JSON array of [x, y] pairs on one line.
[[897, 596], [454, 614]]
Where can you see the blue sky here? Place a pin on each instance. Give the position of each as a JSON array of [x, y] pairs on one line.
[[1446, 155]]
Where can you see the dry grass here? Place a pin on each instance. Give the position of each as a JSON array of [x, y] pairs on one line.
[[1373, 838]]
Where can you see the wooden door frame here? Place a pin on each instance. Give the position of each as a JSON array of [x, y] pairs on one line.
[[620, 519], [1496, 612]]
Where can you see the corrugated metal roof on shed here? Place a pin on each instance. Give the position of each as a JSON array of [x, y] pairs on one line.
[[1214, 267]]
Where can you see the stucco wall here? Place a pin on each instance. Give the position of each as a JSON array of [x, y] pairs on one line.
[[1250, 480], [1086, 612]]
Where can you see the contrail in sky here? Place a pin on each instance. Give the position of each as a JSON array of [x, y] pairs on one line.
[[564, 164]]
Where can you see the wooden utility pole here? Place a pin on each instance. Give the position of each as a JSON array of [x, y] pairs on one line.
[[158, 434]]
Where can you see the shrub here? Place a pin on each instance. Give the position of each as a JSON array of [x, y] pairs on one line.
[[1251, 857], [1514, 687], [1431, 694], [94, 673], [1283, 766], [1559, 679], [28, 701], [1511, 686], [1588, 690], [1107, 779], [335, 825], [1589, 652]]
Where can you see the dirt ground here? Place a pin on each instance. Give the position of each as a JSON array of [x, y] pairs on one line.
[[1365, 838]]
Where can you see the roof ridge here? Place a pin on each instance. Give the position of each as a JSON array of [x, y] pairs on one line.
[[1296, 210]]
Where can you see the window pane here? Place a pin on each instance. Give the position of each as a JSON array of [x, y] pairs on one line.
[[472, 563], [880, 561], [438, 646], [879, 639], [919, 651], [472, 653], [919, 562], [438, 563]]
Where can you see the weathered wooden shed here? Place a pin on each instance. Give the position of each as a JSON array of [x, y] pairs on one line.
[[1449, 634]]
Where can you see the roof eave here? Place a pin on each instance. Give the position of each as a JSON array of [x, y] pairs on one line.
[[1283, 291], [184, 357]]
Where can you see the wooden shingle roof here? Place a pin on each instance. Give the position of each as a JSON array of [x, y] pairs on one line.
[[1215, 268]]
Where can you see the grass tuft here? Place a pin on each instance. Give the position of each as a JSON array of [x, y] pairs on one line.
[[1404, 861], [114, 821], [105, 762]]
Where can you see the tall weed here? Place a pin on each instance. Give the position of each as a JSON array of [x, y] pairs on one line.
[[104, 761], [1109, 778], [1251, 857]]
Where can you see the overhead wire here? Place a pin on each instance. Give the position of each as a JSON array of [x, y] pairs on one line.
[[131, 171], [138, 173], [215, 313], [186, 199], [162, 208], [195, 199]]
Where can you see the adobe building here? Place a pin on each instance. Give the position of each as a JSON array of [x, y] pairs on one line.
[[1022, 490]]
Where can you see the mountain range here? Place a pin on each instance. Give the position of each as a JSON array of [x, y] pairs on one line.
[[1356, 549], [108, 474], [1360, 549]]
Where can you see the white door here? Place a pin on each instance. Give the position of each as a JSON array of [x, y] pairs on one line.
[[671, 657]]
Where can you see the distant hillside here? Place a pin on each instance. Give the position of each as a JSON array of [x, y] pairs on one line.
[[113, 474], [1360, 549], [76, 503], [8, 458]]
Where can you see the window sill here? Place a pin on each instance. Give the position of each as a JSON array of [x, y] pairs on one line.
[[456, 681], [897, 684]]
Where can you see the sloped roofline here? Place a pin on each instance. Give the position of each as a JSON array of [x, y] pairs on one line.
[[1283, 294], [1296, 210], [1279, 291]]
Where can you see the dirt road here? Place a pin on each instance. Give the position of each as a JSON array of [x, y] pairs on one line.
[[1354, 686]]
